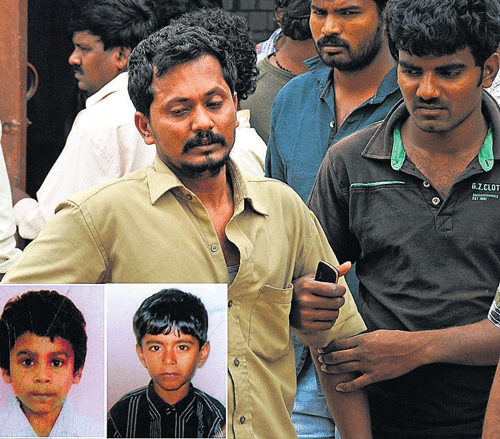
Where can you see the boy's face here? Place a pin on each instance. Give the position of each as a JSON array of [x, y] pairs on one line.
[[41, 373], [171, 360]]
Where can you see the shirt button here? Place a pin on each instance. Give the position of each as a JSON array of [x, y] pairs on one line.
[[230, 304], [426, 184], [436, 201], [236, 362], [214, 248], [189, 197], [242, 419]]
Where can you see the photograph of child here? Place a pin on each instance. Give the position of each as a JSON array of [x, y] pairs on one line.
[[177, 335], [52, 361]]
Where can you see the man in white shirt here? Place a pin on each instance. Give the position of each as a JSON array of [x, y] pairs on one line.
[[103, 142]]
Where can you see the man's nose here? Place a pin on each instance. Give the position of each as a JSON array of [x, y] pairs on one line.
[[331, 26], [428, 87], [202, 120], [74, 59]]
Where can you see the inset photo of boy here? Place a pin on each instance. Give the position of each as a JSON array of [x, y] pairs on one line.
[[52, 361], [167, 351]]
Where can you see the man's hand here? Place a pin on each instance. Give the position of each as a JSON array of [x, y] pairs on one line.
[[315, 305], [378, 355]]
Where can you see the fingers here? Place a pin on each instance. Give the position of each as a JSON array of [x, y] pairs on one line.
[[356, 384], [344, 268]]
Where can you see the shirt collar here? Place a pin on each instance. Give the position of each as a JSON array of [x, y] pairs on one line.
[[116, 84], [322, 73], [161, 179], [163, 406], [392, 147]]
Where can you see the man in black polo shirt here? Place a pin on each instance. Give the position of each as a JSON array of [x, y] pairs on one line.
[[415, 201]]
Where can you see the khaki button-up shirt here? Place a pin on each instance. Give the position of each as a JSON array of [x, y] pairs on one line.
[[148, 227]]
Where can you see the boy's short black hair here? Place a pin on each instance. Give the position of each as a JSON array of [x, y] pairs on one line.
[[46, 314], [443, 27], [170, 47], [170, 310], [118, 23]]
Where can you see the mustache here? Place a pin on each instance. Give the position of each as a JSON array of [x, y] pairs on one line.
[[332, 40], [77, 69], [204, 139]]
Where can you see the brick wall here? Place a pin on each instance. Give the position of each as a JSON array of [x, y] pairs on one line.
[[259, 14]]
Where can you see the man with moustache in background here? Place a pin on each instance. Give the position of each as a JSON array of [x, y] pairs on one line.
[[103, 142]]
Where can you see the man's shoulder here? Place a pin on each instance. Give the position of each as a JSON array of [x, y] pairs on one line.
[[115, 109], [304, 83], [114, 189]]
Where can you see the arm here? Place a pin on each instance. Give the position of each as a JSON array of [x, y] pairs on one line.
[[384, 354], [492, 420], [315, 305], [350, 410]]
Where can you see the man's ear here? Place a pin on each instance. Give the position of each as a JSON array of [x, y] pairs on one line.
[[6, 377], [490, 70], [122, 54], [138, 350], [77, 376], [204, 353], [144, 127]]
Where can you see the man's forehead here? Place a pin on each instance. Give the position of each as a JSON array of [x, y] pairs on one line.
[[183, 72], [86, 36], [340, 4], [462, 56]]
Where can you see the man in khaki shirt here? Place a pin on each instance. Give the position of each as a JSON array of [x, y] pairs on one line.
[[192, 217]]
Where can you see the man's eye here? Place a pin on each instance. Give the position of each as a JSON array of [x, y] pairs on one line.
[[409, 72], [28, 362], [183, 347], [450, 73], [154, 348], [215, 104], [178, 111], [57, 363]]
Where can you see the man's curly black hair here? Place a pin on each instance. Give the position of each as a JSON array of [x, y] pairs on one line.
[[236, 31], [442, 27]]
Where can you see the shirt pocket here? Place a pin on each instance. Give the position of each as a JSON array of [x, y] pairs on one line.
[[269, 323]]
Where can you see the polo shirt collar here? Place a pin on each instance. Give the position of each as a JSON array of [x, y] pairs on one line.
[[161, 180], [392, 148]]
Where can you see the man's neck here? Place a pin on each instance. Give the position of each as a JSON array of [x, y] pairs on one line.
[[293, 53], [442, 157], [354, 88], [368, 80], [211, 190], [216, 195]]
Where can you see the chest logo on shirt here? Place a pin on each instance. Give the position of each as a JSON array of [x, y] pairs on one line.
[[485, 191]]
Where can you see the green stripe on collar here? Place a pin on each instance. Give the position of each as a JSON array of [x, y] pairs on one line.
[[398, 152], [486, 157]]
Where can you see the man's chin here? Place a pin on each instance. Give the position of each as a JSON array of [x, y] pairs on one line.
[[209, 168]]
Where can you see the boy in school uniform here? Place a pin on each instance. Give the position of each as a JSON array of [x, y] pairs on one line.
[[171, 333], [43, 345]]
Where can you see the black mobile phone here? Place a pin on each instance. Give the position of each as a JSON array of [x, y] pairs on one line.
[[326, 272]]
